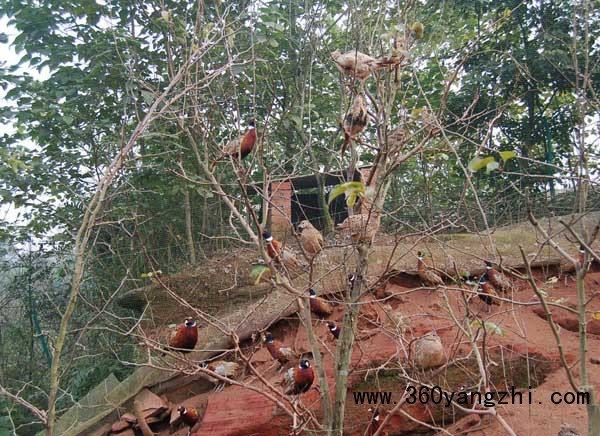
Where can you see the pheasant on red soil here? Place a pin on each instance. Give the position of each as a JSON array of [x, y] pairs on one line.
[[318, 306], [239, 147], [429, 277], [334, 329], [185, 337], [497, 279], [277, 352], [299, 379], [376, 420], [487, 293], [189, 415]]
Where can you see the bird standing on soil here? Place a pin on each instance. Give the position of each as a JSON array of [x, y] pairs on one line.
[[310, 238], [361, 227], [359, 65], [223, 368], [429, 277], [189, 415], [279, 254], [239, 147], [299, 379], [487, 292], [355, 121], [318, 306], [277, 352], [185, 337], [569, 267], [497, 279], [334, 329]]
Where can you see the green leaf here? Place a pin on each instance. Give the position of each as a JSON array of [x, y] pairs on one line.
[[478, 163], [257, 273], [507, 155], [353, 190]]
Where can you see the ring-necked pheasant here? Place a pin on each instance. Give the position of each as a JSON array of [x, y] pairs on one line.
[[497, 279], [299, 379], [223, 368], [185, 338], [277, 352], [318, 306], [239, 147], [279, 253], [429, 277], [189, 415], [334, 329], [376, 420], [487, 293]]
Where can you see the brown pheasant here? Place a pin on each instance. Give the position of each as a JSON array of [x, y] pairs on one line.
[[429, 277], [355, 121], [359, 65], [310, 238]]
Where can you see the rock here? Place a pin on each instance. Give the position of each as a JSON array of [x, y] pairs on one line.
[[429, 352], [462, 426], [568, 430], [120, 426], [128, 432], [151, 404]]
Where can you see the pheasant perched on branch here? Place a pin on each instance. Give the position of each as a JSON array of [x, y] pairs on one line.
[[185, 338], [360, 65], [310, 238], [429, 277], [497, 279], [355, 121], [239, 147]]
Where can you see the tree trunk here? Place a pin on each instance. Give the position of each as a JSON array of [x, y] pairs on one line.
[[188, 225]]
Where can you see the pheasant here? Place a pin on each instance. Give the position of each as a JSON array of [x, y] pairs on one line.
[[569, 267], [318, 306], [310, 238], [279, 254], [487, 293], [185, 338], [334, 329], [359, 65], [189, 415], [277, 352], [222, 368], [239, 147], [429, 277], [299, 379], [376, 421], [497, 279], [355, 121], [361, 227]]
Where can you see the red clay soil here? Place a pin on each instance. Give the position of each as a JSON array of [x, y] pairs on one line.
[[524, 354]]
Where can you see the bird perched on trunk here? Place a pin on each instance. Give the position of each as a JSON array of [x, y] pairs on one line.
[[361, 227], [318, 306], [277, 352], [497, 279], [185, 338], [239, 147], [376, 421], [359, 65], [310, 238], [299, 379], [189, 415], [429, 277], [334, 329], [279, 254], [223, 368], [487, 293], [355, 121]]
